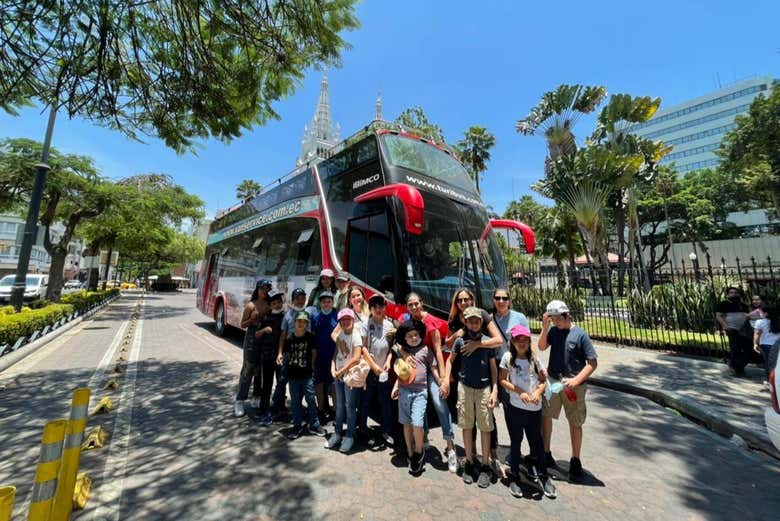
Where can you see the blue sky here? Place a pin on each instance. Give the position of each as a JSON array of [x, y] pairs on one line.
[[466, 63]]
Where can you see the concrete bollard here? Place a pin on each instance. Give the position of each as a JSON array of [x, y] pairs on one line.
[[7, 495], [71, 455], [48, 469]]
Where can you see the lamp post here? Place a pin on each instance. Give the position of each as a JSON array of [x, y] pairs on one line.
[[695, 262]]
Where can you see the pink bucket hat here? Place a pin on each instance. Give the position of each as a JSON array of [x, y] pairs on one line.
[[520, 330], [346, 313]]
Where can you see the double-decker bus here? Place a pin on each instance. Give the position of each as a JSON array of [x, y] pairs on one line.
[[398, 213]]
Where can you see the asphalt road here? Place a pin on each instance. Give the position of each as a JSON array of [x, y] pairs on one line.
[[177, 453]]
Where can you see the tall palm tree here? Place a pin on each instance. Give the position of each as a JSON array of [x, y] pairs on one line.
[[474, 151], [248, 188]]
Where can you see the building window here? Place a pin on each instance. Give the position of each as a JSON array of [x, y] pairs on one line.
[[698, 121], [700, 135]]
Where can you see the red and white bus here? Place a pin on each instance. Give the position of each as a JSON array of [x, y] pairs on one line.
[[395, 211]]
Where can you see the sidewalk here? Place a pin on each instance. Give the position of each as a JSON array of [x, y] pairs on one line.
[[703, 390]]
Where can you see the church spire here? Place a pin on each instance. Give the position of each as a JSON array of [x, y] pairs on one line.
[[320, 135], [378, 107]]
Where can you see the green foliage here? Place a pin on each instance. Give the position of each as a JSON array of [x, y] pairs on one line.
[[248, 188], [179, 70], [415, 121], [23, 324], [474, 151], [533, 301], [84, 300]]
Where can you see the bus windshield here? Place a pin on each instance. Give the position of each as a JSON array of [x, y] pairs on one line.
[[426, 159], [449, 254]]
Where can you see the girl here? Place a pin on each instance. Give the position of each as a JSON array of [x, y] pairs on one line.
[[326, 283], [256, 307], [522, 377], [357, 303], [349, 349], [766, 334]]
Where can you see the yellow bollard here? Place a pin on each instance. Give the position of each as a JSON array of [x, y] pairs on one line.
[[48, 468], [7, 495], [63, 500]]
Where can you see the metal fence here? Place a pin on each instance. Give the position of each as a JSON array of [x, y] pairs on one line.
[[661, 308]]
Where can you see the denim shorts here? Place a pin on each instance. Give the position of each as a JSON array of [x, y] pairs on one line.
[[411, 406]]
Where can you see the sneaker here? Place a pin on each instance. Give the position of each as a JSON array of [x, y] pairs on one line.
[[412, 462], [333, 442], [484, 477], [296, 433], [497, 469], [317, 431], [468, 473], [575, 470], [533, 473], [452, 461], [388, 439], [267, 420], [238, 409], [254, 403], [548, 488], [515, 490], [550, 461], [418, 463], [346, 445]]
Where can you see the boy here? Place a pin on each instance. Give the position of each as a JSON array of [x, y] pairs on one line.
[[323, 323], [477, 395], [300, 351], [267, 341], [412, 394]]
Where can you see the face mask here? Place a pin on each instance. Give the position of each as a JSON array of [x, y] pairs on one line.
[[297, 308], [276, 311]]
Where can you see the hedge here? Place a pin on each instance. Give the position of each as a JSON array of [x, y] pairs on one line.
[[84, 300], [16, 325]]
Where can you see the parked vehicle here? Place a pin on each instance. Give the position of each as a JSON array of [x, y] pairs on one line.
[[73, 284], [772, 413], [35, 287]]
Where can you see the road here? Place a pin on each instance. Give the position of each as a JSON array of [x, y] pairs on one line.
[[177, 453]]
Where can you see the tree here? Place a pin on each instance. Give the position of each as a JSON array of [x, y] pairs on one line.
[[752, 149], [248, 188], [415, 121], [474, 151]]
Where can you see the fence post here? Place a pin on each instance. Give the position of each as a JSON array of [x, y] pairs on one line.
[[63, 501], [48, 468], [709, 265], [771, 273], [7, 495], [739, 271]]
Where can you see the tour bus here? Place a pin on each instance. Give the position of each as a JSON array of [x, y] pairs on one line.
[[396, 212]]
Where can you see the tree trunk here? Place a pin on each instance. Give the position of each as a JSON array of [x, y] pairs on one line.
[[589, 261], [56, 269], [108, 267], [620, 227], [94, 271], [561, 274], [573, 282]]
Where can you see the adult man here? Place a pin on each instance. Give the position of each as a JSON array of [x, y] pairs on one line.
[[572, 361], [732, 315]]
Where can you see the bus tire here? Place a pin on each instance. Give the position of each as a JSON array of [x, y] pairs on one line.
[[219, 319]]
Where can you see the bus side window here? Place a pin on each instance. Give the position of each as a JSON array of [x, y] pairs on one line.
[[369, 247]]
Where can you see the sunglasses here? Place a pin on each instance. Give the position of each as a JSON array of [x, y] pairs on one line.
[[500, 299], [461, 300]]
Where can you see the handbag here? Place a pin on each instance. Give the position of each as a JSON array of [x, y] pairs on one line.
[[357, 374]]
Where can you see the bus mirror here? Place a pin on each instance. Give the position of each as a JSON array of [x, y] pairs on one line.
[[529, 239], [411, 200]]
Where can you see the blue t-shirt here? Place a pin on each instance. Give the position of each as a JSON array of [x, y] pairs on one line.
[[475, 368], [506, 323], [322, 325], [570, 350]]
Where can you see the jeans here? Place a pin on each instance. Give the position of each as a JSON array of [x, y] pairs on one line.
[[303, 388], [380, 390], [442, 409], [765, 350], [347, 400], [530, 422], [264, 382], [248, 370], [280, 392], [740, 347]]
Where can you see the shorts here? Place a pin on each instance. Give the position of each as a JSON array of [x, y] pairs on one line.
[[575, 411], [411, 406], [473, 406]]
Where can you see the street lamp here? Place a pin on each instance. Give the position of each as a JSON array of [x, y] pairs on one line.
[[695, 262]]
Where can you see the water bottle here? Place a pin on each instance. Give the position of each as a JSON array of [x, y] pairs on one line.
[[383, 377]]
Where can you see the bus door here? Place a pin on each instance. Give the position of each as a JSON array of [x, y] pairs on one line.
[[210, 284], [369, 251]]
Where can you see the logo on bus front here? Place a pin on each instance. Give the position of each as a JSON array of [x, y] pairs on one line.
[[363, 182]]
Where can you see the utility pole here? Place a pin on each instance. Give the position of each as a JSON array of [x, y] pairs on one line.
[[31, 226]]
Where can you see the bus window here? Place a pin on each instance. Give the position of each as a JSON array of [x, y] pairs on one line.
[[370, 251], [295, 247]]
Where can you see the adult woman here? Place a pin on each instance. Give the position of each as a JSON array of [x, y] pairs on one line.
[[357, 303], [326, 283], [756, 312], [253, 311], [767, 332]]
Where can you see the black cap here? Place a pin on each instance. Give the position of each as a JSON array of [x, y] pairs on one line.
[[275, 295], [298, 292], [377, 300], [263, 282]]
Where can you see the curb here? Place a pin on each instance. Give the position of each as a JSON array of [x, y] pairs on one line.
[[23, 352], [692, 410]]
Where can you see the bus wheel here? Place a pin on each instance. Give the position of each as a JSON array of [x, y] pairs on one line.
[[219, 319]]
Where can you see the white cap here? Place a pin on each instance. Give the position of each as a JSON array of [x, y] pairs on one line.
[[557, 307]]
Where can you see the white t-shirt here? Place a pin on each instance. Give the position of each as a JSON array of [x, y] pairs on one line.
[[352, 340], [767, 338], [376, 340], [522, 376]]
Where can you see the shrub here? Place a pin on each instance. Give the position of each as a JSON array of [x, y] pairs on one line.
[[25, 323], [685, 305], [532, 301], [84, 300]]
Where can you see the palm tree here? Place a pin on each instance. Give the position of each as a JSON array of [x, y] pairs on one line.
[[248, 188], [474, 151]]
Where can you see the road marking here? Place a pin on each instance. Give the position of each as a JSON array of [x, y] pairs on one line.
[[95, 380], [110, 493]]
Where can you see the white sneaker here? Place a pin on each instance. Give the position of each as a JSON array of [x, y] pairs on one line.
[[452, 461], [238, 409], [254, 403]]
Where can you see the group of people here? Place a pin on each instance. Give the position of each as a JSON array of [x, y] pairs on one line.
[[345, 357], [755, 326]]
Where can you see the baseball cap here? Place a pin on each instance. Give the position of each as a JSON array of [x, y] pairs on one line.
[[302, 315], [325, 294], [275, 295], [327, 273], [472, 312], [376, 300], [519, 330], [342, 276], [346, 313], [298, 292], [557, 307], [263, 282]]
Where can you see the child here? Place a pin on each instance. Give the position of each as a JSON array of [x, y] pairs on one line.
[[267, 341], [323, 323], [301, 352], [525, 383], [349, 349], [477, 396], [411, 390]]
